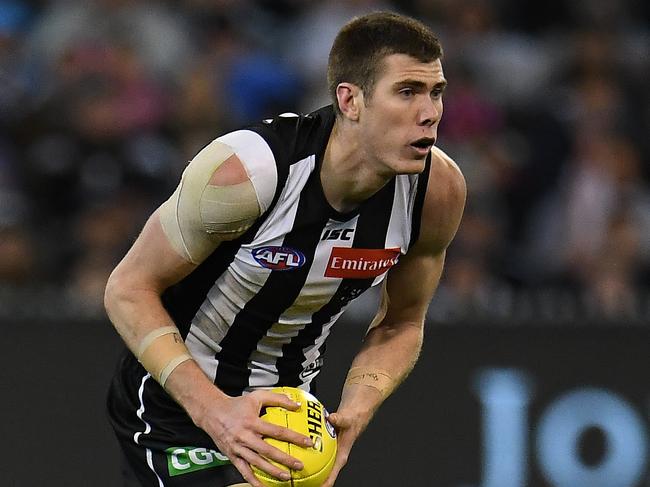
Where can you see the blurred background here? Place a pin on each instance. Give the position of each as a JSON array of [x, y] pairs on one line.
[[547, 285]]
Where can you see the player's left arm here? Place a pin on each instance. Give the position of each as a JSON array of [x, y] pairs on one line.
[[394, 339]]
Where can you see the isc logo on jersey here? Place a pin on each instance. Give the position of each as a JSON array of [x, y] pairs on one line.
[[279, 258]]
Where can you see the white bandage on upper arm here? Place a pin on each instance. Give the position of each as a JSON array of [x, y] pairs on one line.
[[199, 215], [256, 155]]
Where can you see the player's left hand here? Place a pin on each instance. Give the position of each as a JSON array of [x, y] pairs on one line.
[[349, 426]]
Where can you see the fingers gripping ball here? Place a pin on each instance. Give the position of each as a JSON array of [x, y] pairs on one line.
[[309, 420]]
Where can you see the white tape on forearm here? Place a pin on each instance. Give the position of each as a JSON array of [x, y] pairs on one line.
[[375, 378], [149, 338], [169, 368], [161, 351]]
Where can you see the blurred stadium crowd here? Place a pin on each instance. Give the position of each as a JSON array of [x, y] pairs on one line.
[[103, 102]]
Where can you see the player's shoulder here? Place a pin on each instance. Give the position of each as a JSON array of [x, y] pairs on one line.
[[443, 166], [443, 204], [446, 180], [291, 124], [292, 136]]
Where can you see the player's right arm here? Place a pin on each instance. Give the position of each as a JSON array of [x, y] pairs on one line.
[[215, 201]]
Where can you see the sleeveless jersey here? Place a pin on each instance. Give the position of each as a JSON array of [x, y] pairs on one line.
[[257, 312]]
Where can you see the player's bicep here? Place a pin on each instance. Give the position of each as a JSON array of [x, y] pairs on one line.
[[408, 289], [216, 200], [151, 263], [410, 285]]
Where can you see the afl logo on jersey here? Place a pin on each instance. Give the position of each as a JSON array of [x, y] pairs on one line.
[[279, 258]]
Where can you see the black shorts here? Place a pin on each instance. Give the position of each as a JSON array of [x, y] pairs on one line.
[[161, 445], [177, 467]]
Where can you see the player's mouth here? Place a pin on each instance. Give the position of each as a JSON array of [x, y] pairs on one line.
[[423, 146]]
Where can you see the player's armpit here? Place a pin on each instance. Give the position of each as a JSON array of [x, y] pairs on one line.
[[215, 201]]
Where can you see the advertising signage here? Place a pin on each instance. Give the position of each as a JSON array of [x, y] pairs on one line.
[[500, 406]]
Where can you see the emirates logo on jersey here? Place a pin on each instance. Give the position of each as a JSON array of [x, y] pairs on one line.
[[350, 263], [279, 258]]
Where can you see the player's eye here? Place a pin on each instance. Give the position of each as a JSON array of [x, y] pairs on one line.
[[437, 91], [407, 92]]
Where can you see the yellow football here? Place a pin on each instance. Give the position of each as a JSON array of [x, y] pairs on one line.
[[310, 420]]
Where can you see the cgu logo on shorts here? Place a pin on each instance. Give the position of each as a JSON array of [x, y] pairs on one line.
[[279, 258], [351, 263], [186, 459]]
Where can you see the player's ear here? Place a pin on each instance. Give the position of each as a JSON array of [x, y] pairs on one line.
[[350, 98]]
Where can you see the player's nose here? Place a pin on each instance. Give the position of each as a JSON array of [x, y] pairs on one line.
[[429, 113]]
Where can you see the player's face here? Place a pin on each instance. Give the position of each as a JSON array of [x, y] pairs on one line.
[[400, 120]]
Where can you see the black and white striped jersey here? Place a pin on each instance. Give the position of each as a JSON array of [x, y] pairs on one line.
[[256, 313], [262, 308]]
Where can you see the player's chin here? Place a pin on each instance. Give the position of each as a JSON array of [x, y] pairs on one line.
[[412, 165]]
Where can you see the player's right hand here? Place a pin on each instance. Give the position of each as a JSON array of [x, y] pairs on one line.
[[237, 430]]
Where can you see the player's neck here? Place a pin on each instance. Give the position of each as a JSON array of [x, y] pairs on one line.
[[347, 176]]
